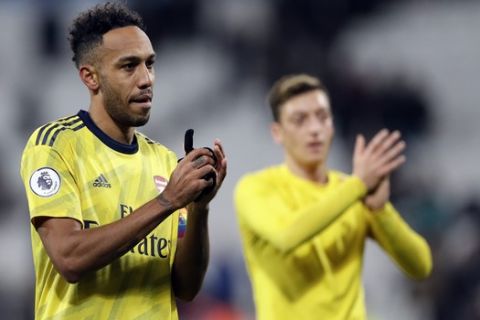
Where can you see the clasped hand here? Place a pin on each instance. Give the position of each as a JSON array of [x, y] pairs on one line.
[[187, 181], [374, 162]]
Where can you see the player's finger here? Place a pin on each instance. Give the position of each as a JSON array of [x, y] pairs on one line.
[[376, 141], [389, 141], [222, 171], [196, 153], [201, 161], [394, 152], [218, 147], [393, 165], [203, 171], [218, 142]]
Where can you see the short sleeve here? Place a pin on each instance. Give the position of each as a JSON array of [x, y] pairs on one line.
[[49, 184]]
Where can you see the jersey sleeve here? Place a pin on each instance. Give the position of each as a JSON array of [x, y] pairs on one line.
[[287, 229], [408, 249], [49, 184]]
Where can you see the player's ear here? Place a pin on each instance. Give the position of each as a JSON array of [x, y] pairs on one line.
[[89, 76], [276, 131]]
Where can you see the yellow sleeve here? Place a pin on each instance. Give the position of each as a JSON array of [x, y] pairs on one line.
[[264, 210], [408, 249], [49, 184]]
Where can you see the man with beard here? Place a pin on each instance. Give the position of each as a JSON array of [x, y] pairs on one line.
[[110, 236], [304, 226]]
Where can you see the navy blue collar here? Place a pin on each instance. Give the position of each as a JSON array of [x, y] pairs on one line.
[[115, 145]]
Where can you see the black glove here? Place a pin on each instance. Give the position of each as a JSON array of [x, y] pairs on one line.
[[188, 145]]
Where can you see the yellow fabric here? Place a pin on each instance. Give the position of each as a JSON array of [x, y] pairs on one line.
[[304, 244], [99, 185]]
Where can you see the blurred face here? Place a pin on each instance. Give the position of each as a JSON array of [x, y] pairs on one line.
[[305, 128], [126, 75]]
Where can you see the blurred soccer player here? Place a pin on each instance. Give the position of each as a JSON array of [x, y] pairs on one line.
[[304, 226], [108, 205]]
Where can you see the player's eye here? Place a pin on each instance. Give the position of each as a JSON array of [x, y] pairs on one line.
[[298, 120], [150, 64], [129, 66], [323, 116]]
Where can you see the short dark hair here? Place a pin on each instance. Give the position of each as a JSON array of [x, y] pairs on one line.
[[290, 86], [87, 29]]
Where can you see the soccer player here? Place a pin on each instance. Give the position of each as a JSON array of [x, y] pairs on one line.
[[108, 205], [304, 226]]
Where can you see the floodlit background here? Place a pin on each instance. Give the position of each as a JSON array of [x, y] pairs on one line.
[[408, 65]]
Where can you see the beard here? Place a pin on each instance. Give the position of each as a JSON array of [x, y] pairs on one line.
[[118, 110]]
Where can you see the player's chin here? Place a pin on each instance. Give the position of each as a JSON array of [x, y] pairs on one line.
[[140, 114], [314, 158], [139, 120]]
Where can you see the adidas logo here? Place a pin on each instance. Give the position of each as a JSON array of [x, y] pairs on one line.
[[101, 182]]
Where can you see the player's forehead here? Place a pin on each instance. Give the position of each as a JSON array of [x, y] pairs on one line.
[[127, 41], [311, 101]]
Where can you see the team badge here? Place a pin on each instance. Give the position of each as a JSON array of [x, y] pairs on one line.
[[160, 183], [45, 182]]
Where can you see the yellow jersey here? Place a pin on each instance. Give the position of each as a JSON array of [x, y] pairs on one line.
[[71, 169], [304, 244]]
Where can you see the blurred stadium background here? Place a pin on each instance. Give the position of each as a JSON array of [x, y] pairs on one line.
[[408, 65]]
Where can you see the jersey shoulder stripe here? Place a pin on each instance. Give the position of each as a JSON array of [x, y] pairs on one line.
[[48, 125], [155, 145], [48, 133], [147, 139]]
